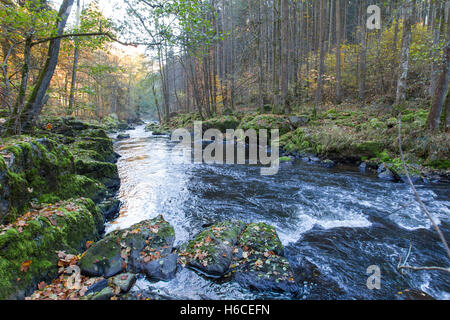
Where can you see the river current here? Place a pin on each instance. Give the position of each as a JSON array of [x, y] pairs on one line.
[[337, 219]]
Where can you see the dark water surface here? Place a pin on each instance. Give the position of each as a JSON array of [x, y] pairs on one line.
[[340, 220]]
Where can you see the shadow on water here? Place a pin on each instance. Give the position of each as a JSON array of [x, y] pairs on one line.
[[336, 219]]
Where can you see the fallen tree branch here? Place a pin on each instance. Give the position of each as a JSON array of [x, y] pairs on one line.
[[403, 265], [416, 194]]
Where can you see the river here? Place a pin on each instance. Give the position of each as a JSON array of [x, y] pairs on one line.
[[338, 219]]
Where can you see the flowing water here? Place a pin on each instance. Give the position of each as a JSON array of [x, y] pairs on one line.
[[338, 219]]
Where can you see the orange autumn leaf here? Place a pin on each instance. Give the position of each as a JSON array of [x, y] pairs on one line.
[[25, 265]]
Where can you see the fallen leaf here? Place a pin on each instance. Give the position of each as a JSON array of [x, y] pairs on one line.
[[41, 286], [25, 265]]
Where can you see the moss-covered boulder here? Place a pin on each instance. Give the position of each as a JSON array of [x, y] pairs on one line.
[[29, 245], [30, 168], [261, 237], [221, 123], [211, 250], [145, 247], [100, 149], [268, 122], [259, 262], [111, 124], [252, 254], [67, 126], [104, 172]]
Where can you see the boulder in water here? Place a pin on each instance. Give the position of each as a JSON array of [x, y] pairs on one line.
[[252, 254], [145, 247]]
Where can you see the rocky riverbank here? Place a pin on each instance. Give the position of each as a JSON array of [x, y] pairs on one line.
[[250, 254], [57, 188], [362, 138]]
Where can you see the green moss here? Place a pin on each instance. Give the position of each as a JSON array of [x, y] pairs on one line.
[[297, 140], [267, 122], [73, 185], [102, 171], [38, 242], [442, 164], [223, 123], [285, 159], [261, 237]]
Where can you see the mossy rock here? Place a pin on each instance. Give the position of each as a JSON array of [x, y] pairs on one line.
[[74, 185], [102, 146], [130, 249], [29, 168], [28, 247], [211, 250], [272, 273], [297, 141], [222, 123], [261, 237], [104, 172], [70, 127], [267, 122], [368, 149]]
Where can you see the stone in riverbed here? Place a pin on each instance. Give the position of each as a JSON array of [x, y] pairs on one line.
[[272, 273], [261, 264], [124, 281], [110, 208], [211, 250], [123, 136], [385, 173], [106, 294], [133, 249], [252, 252]]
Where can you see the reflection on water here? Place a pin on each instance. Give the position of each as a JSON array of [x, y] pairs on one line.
[[341, 221]]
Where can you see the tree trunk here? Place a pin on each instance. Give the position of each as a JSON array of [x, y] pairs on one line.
[[338, 53], [404, 61], [440, 92], [75, 65], [35, 102], [322, 17], [285, 57]]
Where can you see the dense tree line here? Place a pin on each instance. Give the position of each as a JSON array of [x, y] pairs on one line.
[[276, 55]]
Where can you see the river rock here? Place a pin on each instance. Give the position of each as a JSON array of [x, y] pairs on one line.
[[385, 173], [328, 164], [110, 208], [297, 122], [144, 247], [106, 294], [211, 250], [124, 281], [123, 136], [251, 253], [263, 266], [36, 239]]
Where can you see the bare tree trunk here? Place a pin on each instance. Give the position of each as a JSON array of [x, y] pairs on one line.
[[338, 53], [285, 57], [363, 54], [404, 61], [75, 65], [440, 92], [322, 17], [437, 29], [36, 101], [260, 60]]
